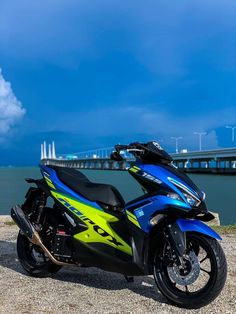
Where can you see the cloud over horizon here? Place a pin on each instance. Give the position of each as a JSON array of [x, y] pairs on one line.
[[11, 109]]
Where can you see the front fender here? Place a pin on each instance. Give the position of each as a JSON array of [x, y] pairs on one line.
[[186, 225]]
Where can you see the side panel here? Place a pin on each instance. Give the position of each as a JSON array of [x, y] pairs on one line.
[[187, 225], [141, 212], [97, 221]]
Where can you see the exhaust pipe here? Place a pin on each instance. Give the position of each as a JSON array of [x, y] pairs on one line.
[[29, 231]]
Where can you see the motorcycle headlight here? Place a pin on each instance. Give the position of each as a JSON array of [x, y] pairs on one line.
[[191, 200], [190, 197], [174, 196]]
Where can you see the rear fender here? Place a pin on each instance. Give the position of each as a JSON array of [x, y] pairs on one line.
[[189, 225]]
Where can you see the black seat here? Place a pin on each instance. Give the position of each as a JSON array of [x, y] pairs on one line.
[[97, 192]]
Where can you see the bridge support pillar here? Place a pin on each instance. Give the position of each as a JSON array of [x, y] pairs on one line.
[[122, 165], [111, 165]]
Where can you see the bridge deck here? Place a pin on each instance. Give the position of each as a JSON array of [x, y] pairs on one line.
[[219, 161]]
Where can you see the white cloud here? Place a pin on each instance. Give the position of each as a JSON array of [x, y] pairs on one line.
[[11, 109]]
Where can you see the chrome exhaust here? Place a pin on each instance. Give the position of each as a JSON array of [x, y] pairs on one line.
[[29, 231]]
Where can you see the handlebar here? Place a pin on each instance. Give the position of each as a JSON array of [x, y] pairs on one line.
[[145, 151], [118, 147], [131, 148]]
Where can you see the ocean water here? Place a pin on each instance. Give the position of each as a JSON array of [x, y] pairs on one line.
[[220, 189]]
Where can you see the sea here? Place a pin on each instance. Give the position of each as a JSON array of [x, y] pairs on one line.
[[220, 189]]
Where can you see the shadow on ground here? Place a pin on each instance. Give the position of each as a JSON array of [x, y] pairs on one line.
[[90, 277]]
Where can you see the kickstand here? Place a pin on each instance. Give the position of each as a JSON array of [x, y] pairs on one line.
[[129, 278]]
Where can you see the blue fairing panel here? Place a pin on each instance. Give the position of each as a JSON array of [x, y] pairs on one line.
[[163, 175], [64, 189], [153, 205], [186, 225]]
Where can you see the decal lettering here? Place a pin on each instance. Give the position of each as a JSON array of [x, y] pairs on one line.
[[90, 221], [65, 203], [151, 178], [96, 228], [106, 235]]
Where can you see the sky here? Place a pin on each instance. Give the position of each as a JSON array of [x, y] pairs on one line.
[[91, 74]]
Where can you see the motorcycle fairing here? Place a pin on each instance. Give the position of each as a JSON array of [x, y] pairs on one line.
[[144, 210], [98, 223], [93, 216], [54, 183], [162, 176]]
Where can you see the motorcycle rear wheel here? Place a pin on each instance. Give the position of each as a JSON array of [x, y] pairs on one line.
[[178, 287]]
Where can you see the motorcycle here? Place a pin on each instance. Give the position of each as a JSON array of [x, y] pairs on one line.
[[161, 233]]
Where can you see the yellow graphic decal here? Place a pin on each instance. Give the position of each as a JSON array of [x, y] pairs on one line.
[[97, 221], [133, 169], [132, 218], [49, 183]]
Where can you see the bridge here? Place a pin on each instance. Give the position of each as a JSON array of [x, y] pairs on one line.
[[209, 161], [90, 159], [221, 161]]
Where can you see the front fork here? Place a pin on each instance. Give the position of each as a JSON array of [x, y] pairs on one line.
[[177, 241]]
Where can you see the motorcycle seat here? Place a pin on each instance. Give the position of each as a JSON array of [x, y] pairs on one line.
[[96, 192]]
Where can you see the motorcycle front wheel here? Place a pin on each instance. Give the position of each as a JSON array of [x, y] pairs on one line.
[[200, 278]]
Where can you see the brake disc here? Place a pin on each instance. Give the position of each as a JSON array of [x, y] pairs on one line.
[[188, 274]]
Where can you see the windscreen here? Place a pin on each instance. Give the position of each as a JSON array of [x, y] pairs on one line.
[[155, 153]]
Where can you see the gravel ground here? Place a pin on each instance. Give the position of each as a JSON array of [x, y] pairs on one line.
[[90, 290]]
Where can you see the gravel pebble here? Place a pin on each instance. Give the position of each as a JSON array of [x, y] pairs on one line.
[[90, 290]]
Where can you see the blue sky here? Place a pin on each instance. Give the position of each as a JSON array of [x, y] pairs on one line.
[[93, 73]]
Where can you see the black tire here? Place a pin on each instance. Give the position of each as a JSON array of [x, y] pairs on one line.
[[28, 261], [206, 294]]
